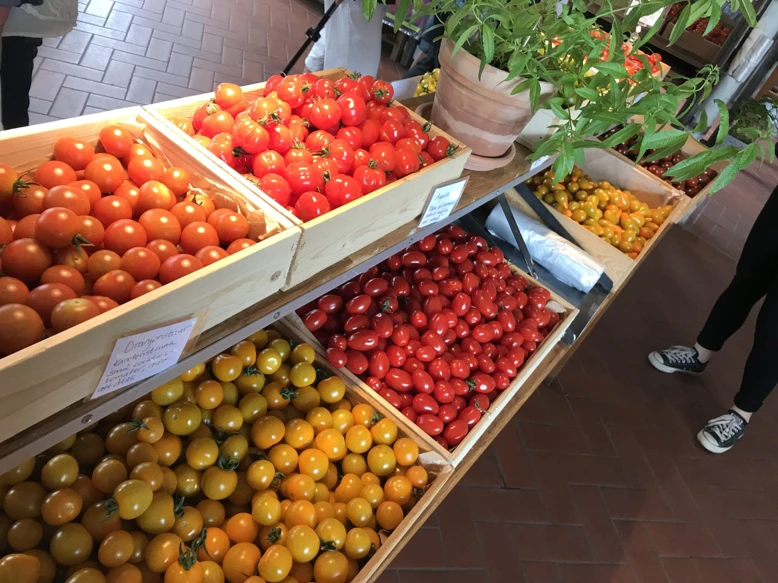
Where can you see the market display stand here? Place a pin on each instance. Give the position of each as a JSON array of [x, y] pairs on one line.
[[481, 189]]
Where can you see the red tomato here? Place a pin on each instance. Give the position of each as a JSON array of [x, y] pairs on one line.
[[352, 108], [315, 319], [45, 297], [229, 225], [430, 424], [123, 235], [106, 172], [154, 195], [141, 169], [116, 284], [357, 362], [143, 287], [424, 403], [177, 267], [162, 249], [311, 205], [197, 235], [303, 178], [217, 123], [392, 131], [160, 224], [342, 153], [341, 190], [325, 113], [185, 212], [408, 162], [277, 188], [336, 357], [268, 162], [250, 136], [140, 263], [379, 364], [371, 130], [456, 431], [382, 91], [73, 152], [351, 135], [385, 156], [422, 381], [439, 148], [370, 178], [127, 191], [398, 380]]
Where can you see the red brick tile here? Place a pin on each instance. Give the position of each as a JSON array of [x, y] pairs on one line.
[[592, 426], [731, 473], [728, 570], [456, 525], [681, 570], [632, 460], [638, 504], [677, 539], [559, 468], [556, 438], [604, 541], [512, 459], [640, 552], [499, 547], [501, 505], [484, 472], [735, 503], [423, 551], [541, 573], [550, 543], [388, 577], [675, 490], [442, 576], [559, 505], [589, 573]]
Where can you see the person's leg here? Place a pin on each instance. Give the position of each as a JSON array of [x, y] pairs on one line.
[[15, 79], [759, 379], [752, 279]]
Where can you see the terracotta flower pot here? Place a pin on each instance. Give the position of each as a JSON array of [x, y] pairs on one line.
[[481, 113]]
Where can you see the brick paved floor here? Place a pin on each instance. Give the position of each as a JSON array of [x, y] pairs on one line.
[[131, 52], [599, 478]]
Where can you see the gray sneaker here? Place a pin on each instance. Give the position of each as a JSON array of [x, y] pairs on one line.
[[682, 359], [721, 433]]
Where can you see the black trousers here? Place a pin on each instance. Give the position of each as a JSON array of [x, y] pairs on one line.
[[19, 52], [756, 277]]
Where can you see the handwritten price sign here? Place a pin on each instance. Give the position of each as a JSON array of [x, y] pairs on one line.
[[139, 356]]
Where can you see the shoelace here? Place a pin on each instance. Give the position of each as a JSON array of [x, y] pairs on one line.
[[726, 426], [680, 355]]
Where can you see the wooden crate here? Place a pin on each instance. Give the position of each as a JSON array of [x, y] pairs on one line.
[[333, 237], [567, 315], [623, 173], [48, 376], [437, 466]]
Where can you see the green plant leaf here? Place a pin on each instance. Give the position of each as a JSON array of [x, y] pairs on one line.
[[665, 139], [697, 164], [557, 110], [723, 121], [534, 94], [487, 39], [748, 12], [702, 125], [587, 93], [516, 64], [368, 8], [680, 24], [622, 135], [714, 18], [614, 70], [741, 161], [463, 38]]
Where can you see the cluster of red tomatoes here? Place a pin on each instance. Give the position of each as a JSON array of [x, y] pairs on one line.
[[314, 144], [438, 330], [88, 231]]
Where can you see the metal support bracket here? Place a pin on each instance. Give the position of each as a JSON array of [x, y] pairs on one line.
[[506, 209]]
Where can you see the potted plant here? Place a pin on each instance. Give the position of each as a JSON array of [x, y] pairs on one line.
[[503, 59], [755, 120]]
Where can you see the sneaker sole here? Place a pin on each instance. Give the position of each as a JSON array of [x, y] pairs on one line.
[[711, 447], [661, 367]]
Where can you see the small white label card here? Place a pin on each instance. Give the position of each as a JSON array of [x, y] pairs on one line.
[[443, 200], [137, 357], [538, 163]]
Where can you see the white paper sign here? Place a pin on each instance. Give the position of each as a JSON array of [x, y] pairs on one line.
[[140, 356], [443, 200], [538, 163]]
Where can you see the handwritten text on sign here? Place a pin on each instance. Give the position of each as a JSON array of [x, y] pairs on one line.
[[140, 356], [443, 200]]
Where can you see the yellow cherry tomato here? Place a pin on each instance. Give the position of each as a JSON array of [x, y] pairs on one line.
[[359, 439], [313, 463], [381, 461], [384, 432], [268, 361], [320, 418], [193, 373], [303, 353], [267, 431], [331, 389], [281, 346], [168, 393], [284, 457], [246, 351], [332, 443], [298, 433], [406, 452], [209, 394]]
